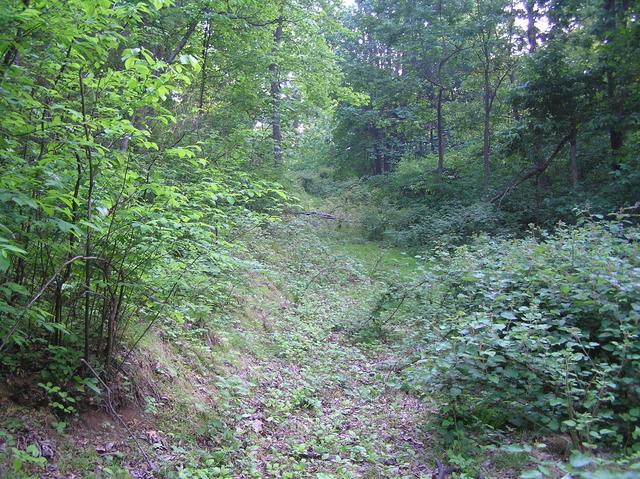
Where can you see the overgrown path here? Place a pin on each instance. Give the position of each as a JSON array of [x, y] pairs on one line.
[[318, 402]]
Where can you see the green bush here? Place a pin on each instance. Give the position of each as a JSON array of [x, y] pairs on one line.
[[541, 331], [454, 223]]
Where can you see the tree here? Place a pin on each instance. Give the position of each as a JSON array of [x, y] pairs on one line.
[[275, 93], [493, 48], [433, 38]]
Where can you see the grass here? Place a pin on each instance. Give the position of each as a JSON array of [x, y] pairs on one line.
[[378, 259]]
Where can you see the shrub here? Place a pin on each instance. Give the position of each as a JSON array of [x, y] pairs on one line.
[[542, 332], [454, 223]]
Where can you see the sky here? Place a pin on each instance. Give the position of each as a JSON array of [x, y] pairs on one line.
[[542, 23]]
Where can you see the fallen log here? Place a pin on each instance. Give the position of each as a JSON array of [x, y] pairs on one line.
[[321, 214]]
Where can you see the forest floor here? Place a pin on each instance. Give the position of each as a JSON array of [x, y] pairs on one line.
[[288, 384], [299, 395]]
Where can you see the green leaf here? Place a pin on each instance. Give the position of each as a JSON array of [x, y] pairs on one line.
[[12, 248], [5, 263], [130, 62], [33, 450]]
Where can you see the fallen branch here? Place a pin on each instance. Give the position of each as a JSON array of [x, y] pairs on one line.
[[316, 456], [397, 367], [401, 301], [321, 214], [537, 171]]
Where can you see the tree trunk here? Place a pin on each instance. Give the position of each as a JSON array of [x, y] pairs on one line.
[[616, 137], [298, 127], [573, 157], [376, 164], [116, 301], [431, 142], [276, 132], [512, 72], [440, 128], [59, 300], [532, 39], [377, 168], [208, 31], [532, 35], [486, 123], [88, 245]]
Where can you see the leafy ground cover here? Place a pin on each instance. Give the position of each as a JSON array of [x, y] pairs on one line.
[[278, 389]]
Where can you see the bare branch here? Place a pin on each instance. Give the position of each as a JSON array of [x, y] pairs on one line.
[[33, 300], [537, 171]]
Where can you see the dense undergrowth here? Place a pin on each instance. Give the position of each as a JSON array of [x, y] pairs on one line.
[[410, 208], [538, 331], [264, 383], [537, 334], [514, 356]]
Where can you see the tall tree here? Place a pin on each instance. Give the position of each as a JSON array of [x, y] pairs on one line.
[[275, 89], [493, 48]]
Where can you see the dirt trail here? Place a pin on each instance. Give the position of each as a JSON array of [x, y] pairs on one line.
[[332, 413], [322, 405]]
